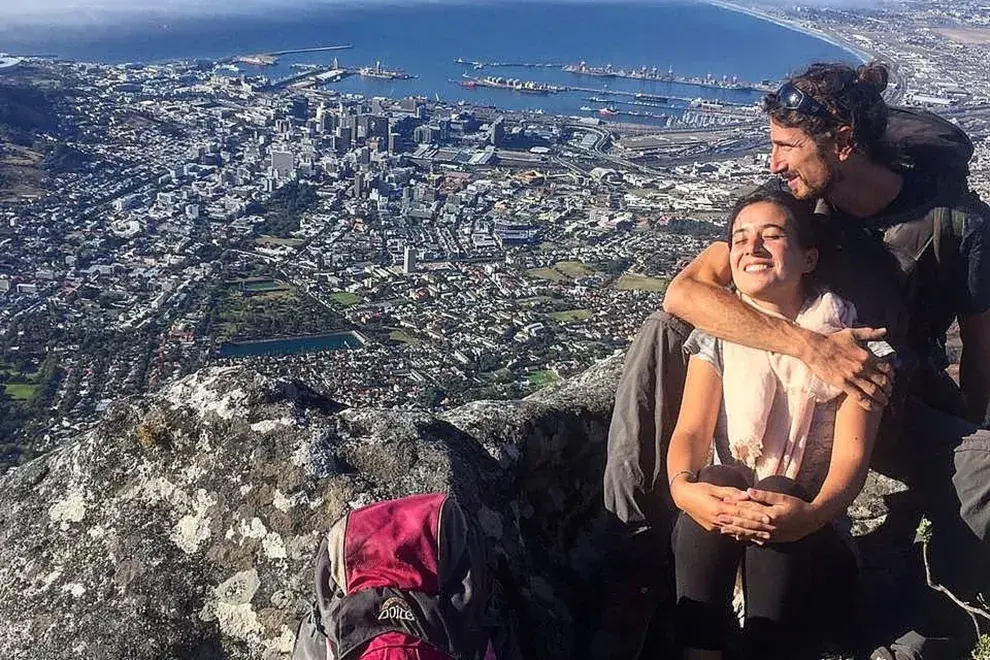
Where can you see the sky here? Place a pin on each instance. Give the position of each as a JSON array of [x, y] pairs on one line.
[[90, 12]]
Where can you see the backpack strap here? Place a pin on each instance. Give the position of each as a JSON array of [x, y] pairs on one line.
[[947, 233], [948, 225]]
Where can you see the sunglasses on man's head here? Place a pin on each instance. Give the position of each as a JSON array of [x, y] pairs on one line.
[[789, 97]]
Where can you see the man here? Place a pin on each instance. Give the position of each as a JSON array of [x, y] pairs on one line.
[[829, 135]]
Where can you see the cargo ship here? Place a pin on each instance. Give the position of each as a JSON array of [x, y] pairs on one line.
[[657, 75], [522, 86], [257, 60], [652, 98], [596, 71], [383, 74]]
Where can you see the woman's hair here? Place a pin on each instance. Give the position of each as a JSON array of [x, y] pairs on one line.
[[850, 97], [807, 226], [800, 215]]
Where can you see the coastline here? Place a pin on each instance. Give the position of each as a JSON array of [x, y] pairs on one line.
[[861, 55]]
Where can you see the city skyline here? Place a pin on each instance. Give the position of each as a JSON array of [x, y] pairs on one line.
[[237, 208]]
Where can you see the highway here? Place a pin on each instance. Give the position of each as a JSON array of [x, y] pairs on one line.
[[598, 149]]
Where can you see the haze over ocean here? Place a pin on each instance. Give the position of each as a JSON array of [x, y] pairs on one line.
[[424, 39]]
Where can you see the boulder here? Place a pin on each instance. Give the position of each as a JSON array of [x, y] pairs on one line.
[[184, 525]]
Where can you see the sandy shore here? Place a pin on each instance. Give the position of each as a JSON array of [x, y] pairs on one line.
[[835, 40]]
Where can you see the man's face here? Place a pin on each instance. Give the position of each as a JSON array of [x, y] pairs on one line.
[[796, 158]]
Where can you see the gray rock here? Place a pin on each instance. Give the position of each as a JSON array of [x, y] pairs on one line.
[[184, 525]]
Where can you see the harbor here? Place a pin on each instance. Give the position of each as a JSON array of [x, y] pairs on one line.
[[651, 74], [638, 98], [539, 84]]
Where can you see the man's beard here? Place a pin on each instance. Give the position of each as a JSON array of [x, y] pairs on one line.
[[822, 190]]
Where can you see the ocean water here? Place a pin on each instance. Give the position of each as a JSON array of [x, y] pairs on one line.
[[425, 39]]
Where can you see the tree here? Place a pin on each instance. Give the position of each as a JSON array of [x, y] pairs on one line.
[[284, 208]]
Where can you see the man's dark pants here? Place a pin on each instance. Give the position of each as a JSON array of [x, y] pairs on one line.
[[946, 460]]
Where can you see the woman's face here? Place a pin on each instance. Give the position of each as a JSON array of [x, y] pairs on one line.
[[767, 261]]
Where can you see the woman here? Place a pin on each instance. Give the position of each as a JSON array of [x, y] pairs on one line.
[[791, 454]]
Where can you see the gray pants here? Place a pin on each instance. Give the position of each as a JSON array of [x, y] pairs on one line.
[[945, 460], [647, 403]]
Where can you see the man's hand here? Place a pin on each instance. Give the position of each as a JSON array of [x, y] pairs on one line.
[[791, 517], [840, 360], [706, 504]]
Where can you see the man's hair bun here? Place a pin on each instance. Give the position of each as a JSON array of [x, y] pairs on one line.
[[874, 74]]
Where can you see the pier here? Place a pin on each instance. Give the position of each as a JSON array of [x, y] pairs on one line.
[[509, 65], [654, 75], [308, 78], [271, 59], [531, 87], [318, 49], [650, 103], [316, 74]]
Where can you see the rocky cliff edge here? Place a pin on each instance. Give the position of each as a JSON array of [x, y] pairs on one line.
[[184, 525]]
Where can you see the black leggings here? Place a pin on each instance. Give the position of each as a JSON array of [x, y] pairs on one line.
[[796, 593]]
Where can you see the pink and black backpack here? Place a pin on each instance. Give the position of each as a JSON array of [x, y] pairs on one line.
[[403, 579]]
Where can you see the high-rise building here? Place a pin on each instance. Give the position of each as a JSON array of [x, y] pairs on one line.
[[358, 189], [424, 134], [496, 132], [393, 143], [377, 126], [342, 141], [300, 108], [443, 130], [283, 163], [321, 117], [409, 260]]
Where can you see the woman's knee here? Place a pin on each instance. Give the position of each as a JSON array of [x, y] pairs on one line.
[[782, 485], [723, 475]]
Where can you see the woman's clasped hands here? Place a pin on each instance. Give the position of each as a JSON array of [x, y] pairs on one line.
[[760, 516], [723, 508], [752, 515]]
